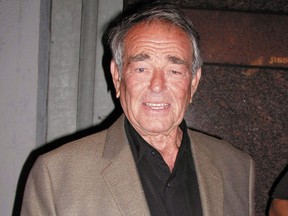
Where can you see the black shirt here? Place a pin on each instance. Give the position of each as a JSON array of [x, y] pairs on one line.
[[167, 193]]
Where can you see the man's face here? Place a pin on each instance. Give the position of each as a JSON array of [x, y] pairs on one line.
[[156, 84]]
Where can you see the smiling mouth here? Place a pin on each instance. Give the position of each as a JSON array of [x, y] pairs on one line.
[[157, 106]]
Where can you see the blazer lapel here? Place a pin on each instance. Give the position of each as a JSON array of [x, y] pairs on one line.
[[121, 174], [209, 179]]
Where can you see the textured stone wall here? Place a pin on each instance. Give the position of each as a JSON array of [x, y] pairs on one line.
[[244, 104]]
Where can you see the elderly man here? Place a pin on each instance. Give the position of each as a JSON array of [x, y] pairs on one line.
[[147, 162]]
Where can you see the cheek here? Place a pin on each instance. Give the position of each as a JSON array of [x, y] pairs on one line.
[[182, 91], [130, 91]]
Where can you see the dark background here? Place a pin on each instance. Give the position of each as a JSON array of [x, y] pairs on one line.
[[241, 97]]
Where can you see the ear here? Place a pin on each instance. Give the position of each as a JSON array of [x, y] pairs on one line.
[[195, 81], [116, 77]]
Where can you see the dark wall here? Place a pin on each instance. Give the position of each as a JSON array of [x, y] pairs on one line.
[[246, 103], [267, 6]]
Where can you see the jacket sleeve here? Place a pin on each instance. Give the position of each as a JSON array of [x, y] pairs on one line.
[[38, 196]]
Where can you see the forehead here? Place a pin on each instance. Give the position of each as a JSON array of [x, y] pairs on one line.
[[159, 25], [157, 34]]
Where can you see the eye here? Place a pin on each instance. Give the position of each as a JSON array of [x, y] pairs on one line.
[[140, 70], [175, 72]]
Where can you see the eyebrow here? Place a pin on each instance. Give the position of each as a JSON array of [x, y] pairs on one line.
[[170, 58], [176, 60], [139, 57]]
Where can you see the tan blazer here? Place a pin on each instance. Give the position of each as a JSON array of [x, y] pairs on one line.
[[97, 175]]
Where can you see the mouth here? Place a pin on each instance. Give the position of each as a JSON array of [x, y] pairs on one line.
[[156, 106]]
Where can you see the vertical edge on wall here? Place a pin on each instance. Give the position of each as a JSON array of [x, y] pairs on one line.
[[43, 71], [86, 79], [104, 106], [63, 68]]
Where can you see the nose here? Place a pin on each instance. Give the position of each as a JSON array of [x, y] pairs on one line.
[[158, 82]]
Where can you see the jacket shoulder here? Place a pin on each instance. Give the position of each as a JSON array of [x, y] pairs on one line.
[[215, 147], [78, 151]]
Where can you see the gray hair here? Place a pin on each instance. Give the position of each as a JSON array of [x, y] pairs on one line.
[[150, 13]]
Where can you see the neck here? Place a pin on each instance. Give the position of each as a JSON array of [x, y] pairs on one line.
[[167, 146]]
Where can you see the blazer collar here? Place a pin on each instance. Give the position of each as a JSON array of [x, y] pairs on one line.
[[209, 177], [121, 174]]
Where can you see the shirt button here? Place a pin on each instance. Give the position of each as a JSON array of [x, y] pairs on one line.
[[168, 185], [153, 153]]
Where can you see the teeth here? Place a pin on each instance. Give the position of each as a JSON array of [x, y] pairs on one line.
[[157, 105]]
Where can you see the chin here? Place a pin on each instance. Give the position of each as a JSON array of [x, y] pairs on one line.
[[160, 128]]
